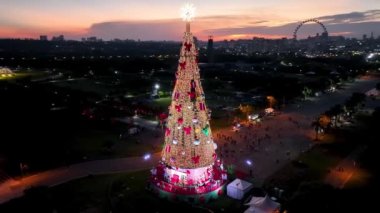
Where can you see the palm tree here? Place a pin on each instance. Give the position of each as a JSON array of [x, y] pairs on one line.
[[317, 127]]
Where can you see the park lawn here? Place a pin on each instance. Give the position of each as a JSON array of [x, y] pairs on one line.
[[86, 85], [319, 162], [94, 145], [162, 103]]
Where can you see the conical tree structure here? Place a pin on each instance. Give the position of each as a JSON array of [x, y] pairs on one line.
[[189, 163], [188, 138]]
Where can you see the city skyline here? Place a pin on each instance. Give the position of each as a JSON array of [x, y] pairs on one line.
[[151, 20]]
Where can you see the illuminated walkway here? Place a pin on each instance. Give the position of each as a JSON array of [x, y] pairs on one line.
[[12, 188]]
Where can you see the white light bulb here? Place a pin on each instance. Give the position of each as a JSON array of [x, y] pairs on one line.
[[188, 12]]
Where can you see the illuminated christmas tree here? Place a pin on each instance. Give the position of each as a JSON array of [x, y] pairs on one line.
[[189, 165]]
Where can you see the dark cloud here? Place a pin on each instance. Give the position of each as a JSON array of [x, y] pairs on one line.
[[350, 24], [353, 24], [353, 17], [144, 30]]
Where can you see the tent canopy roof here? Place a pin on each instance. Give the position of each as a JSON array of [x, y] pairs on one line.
[[263, 203], [240, 184]]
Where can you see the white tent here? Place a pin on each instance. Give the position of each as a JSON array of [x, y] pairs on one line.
[[238, 188], [262, 205], [372, 92]]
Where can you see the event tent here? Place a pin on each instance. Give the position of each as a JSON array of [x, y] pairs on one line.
[[262, 205], [238, 188]]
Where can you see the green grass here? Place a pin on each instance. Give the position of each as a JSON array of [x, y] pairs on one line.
[[93, 145], [319, 162], [162, 102]]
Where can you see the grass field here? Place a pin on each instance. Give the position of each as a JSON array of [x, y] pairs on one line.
[[97, 144]]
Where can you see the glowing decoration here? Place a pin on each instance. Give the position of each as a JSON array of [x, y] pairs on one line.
[[178, 107], [189, 164], [206, 130], [193, 84], [202, 106], [172, 159], [197, 142], [147, 156], [188, 46], [182, 65], [191, 95], [188, 12], [187, 130], [195, 159], [176, 95], [167, 132], [215, 146], [248, 162], [214, 156], [168, 148]]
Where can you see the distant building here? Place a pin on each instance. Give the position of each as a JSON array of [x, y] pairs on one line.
[[91, 39], [364, 36], [58, 38], [210, 49], [43, 37]]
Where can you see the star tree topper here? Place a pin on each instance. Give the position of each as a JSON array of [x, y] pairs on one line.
[[188, 14]]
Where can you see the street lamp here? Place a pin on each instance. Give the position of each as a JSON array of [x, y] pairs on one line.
[[157, 86]]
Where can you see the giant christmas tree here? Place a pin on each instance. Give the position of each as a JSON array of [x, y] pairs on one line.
[[189, 166]]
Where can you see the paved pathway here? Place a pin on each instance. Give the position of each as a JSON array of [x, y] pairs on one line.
[[292, 133], [342, 173], [12, 188]]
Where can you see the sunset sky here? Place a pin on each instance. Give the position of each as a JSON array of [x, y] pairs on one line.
[[159, 19]]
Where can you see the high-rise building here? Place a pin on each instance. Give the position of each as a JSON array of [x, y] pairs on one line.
[[58, 38], [43, 37], [210, 49]]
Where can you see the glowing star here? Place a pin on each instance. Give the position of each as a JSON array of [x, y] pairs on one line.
[[188, 12]]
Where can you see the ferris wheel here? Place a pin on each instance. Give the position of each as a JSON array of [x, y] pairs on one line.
[[307, 21]]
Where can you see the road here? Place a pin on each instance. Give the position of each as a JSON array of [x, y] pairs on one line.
[[289, 136]]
